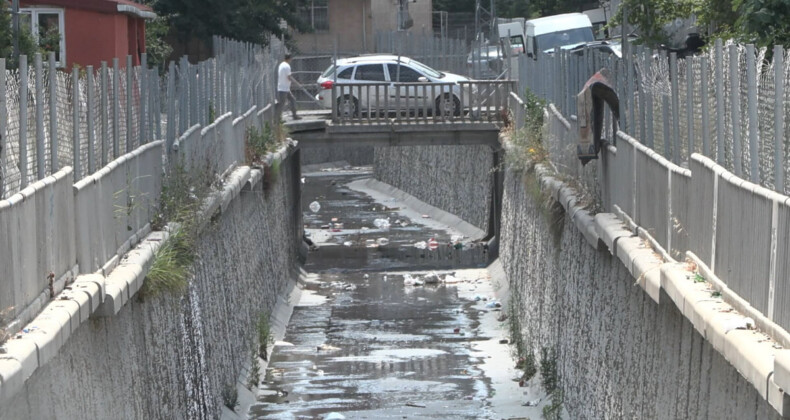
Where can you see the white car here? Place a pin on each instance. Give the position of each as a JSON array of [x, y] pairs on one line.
[[378, 73]]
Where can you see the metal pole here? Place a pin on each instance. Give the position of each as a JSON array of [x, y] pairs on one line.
[[779, 115], [75, 123], [23, 91], [116, 109], [690, 105], [171, 106], [104, 109], [754, 123], [91, 133], [673, 74], [735, 107], [144, 109], [15, 24], [41, 165], [3, 126], [53, 114], [129, 137], [705, 115], [720, 138]]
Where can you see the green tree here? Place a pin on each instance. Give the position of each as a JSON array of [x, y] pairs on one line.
[[27, 43], [650, 16], [762, 22], [243, 20]]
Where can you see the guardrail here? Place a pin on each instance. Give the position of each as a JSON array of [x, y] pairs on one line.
[[424, 102]]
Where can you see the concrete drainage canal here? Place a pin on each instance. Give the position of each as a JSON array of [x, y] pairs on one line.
[[398, 315]]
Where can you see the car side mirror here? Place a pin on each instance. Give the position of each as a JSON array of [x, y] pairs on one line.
[[422, 79]]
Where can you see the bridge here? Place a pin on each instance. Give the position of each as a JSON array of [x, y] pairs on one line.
[[655, 258]]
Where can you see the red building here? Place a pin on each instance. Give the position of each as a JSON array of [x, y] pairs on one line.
[[91, 31]]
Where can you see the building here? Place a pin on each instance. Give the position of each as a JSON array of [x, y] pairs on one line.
[[351, 25], [90, 31]]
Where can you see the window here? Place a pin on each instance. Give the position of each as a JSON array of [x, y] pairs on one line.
[[346, 74], [48, 28], [407, 75], [371, 72], [315, 13]]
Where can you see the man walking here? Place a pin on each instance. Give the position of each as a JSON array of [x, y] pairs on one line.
[[284, 79]]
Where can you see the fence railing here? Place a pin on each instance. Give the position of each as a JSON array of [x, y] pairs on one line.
[[420, 103], [739, 229], [91, 189], [728, 104]]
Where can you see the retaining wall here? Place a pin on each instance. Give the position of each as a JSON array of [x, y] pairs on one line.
[[619, 353], [170, 356], [456, 179]]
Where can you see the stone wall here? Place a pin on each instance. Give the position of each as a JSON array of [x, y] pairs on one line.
[[170, 356], [619, 354], [354, 155], [456, 179]]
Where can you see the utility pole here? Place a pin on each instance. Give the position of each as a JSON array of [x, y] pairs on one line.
[[485, 18], [15, 20]]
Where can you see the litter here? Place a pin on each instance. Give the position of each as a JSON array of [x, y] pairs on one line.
[[425, 216], [432, 278], [315, 207], [415, 405], [348, 243], [450, 279], [408, 280], [433, 244], [738, 324], [421, 245], [334, 219], [382, 241], [327, 347], [533, 403], [383, 224], [334, 416]]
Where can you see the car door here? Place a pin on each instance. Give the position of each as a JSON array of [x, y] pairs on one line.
[[409, 97], [370, 98]]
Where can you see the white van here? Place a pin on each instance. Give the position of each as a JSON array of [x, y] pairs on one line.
[[565, 31]]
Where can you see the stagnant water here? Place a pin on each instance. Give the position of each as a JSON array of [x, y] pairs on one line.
[[364, 343]]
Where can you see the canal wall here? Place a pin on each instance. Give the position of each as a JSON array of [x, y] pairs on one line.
[[353, 155], [170, 356], [456, 179]]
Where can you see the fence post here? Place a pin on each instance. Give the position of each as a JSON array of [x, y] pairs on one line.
[[53, 114], [690, 105], [779, 115], [642, 128], [91, 133], [23, 92], [705, 115], [116, 109], [673, 74], [144, 108], [754, 123], [104, 109], [41, 166], [129, 104], [75, 123], [3, 126], [171, 106], [650, 140], [735, 107], [720, 138]]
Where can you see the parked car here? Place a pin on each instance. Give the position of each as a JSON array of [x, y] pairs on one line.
[[564, 31], [485, 62], [386, 70]]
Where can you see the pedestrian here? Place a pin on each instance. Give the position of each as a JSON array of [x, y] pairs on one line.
[[284, 79]]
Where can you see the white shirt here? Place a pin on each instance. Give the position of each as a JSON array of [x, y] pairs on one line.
[[283, 77]]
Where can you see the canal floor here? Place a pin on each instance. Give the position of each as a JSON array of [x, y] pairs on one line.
[[379, 333]]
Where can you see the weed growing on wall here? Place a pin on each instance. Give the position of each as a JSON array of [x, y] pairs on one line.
[[553, 411], [183, 194], [255, 369], [230, 396], [527, 142], [264, 336], [548, 369], [5, 318], [257, 143]]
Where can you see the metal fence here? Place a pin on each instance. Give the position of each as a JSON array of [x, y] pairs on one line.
[[681, 112], [88, 117], [728, 104], [441, 53]]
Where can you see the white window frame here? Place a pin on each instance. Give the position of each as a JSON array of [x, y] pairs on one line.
[[34, 12], [311, 7]]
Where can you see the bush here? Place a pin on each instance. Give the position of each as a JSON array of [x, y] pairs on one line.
[[548, 369]]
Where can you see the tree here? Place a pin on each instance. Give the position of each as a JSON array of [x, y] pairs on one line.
[[27, 43], [762, 22], [650, 17], [243, 20]]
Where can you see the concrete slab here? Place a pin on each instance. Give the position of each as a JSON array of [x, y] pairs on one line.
[[23, 351], [12, 379]]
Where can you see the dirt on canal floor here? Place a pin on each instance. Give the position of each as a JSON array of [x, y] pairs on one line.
[[392, 331]]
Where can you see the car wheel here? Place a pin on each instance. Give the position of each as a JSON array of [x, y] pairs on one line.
[[447, 105], [347, 106]]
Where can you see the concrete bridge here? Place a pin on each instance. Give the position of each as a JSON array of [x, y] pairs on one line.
[[662, 288]]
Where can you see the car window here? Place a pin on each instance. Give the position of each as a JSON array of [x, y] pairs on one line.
[[371, 72], [346, 74], [407, 75]]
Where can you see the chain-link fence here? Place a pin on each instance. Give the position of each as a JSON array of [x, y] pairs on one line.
[[728, 104], [447, 54], [87, 117]]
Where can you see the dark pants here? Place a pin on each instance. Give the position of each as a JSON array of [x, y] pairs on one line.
[[281, 98]]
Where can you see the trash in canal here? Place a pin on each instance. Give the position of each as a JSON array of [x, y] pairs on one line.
[[450, 279], [315, 207], [382, 241], [421, 245], [327, 347], [432, 278], [348, 243], [383, 224], [334, 416], [433, 244], [415, 405]]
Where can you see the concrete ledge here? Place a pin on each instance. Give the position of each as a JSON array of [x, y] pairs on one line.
[[12, 378]]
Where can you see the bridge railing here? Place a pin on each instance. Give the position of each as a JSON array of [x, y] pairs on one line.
[[421, 103]]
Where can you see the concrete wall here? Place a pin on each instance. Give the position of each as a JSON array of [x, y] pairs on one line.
[[354, 155], [456, 179], [170, 356], [620, 354]]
